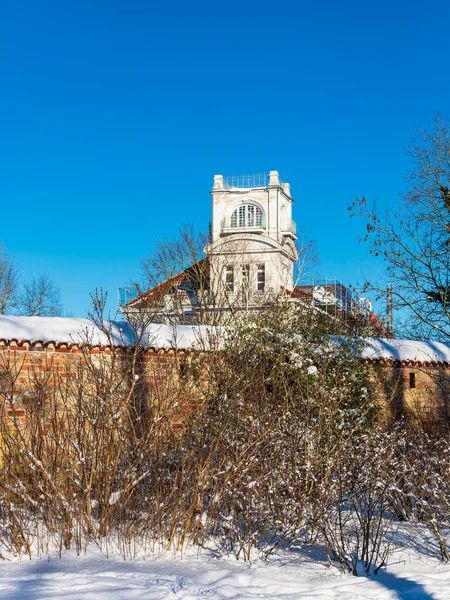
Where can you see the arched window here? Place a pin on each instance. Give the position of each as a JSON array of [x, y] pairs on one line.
[[247, 215]]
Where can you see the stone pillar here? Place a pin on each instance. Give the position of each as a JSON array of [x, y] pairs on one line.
[[274, 178], [218, 182], [287, 189]]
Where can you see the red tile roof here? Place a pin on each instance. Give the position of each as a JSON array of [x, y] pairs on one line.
[[156, 294]]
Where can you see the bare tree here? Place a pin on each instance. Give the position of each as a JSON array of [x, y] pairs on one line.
[[40, 297], [170, 257], [307, 265], [175, 279], [187, 283], [8, 281], [414, 241], [189, 280]]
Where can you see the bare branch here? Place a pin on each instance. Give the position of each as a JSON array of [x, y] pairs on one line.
[[9, 279], [414, 241], [40, 297]]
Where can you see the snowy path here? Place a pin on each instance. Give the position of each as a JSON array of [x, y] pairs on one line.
[[94, 577]]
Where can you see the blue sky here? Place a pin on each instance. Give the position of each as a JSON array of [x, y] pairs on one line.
[[114, 116]]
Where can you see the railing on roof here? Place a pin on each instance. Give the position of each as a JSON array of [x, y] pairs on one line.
[[125, 295], [254, 180]]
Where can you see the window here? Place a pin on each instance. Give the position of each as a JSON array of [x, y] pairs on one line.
[[242, 213], [245, 283], [229, 278], [251, 215], [247, 215], [183, 369], [261, 277], [245, 275], [412, 380], [283, 219]]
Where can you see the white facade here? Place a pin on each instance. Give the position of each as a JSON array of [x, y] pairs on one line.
[[252, 249]]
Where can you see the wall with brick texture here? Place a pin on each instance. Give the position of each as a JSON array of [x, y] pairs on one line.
[[26, 367], [403, 387], [413, 388]]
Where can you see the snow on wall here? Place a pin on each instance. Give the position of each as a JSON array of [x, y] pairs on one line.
[[77, 331], [70, 330], [46, 329], [406, 350]]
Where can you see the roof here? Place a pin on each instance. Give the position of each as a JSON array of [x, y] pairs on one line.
[[298, 292], [182, 282]]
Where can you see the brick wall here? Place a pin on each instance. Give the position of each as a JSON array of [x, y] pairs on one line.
[[413, 388], [405, 387], [28, 369]]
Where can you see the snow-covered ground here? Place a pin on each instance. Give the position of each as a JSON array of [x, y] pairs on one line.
[[285, 577]]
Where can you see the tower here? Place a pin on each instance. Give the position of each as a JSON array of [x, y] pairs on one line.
[[252, 249]]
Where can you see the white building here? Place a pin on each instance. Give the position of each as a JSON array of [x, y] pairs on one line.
[[247, 264], [249, 259], [252, 249]]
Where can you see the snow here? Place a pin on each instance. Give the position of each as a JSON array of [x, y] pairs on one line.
[[92, 576], [77, 330], [47, 329], [425, 351]]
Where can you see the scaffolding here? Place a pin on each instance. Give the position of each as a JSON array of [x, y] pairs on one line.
[[334, 297]]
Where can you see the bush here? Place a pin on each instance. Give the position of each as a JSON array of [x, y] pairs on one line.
[[281, 445]]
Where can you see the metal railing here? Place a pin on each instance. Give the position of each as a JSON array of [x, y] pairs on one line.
[[234, 225], [289, 226], [125, 295], [254, 180], [331, 293]]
